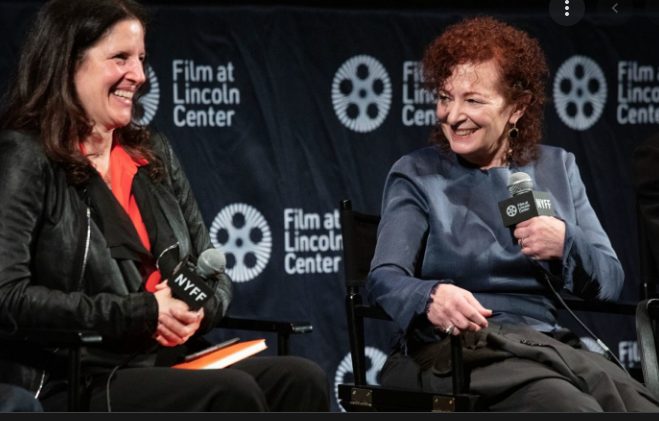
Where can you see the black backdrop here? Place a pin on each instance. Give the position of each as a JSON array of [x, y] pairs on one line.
[[278, 111]]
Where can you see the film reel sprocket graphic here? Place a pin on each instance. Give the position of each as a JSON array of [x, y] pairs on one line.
[[579, 92], [244, 236], [361, 93], [375, 359], [150, 100]]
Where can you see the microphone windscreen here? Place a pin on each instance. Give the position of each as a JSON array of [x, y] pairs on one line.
[[211, 262], [519, 182]]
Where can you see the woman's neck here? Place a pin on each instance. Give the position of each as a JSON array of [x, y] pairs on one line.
[[98, 143], [97, 148], [500, 157]]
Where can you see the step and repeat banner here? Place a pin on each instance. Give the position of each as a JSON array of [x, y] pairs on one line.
[[279, 112]]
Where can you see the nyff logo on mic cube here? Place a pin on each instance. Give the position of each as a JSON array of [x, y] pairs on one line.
[[188, 286]]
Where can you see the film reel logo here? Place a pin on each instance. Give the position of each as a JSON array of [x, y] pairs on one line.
[[149, 101], [361, 93], [244, 235], [511, 210], [345, 373], [579, 92]]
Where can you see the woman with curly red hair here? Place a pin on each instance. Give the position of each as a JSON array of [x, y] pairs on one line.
[[445, 263]]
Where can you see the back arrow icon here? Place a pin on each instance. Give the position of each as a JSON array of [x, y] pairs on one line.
[[614, 7]]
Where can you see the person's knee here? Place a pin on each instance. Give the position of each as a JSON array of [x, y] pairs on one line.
[[307, 380], [307, 369], [237, 391], [560, 400], [307, 372], [550, 395]]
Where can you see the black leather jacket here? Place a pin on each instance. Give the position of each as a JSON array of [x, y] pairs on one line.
[[56, 269]]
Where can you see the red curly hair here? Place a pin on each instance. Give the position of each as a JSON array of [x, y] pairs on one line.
[[522, 67]]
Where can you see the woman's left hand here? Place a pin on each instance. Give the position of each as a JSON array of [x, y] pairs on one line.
[[176, 324], [541, 237]]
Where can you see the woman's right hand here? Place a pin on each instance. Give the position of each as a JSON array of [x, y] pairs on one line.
[[176, 322], [454, 309]]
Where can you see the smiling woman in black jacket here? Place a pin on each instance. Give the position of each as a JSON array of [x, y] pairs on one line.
[[92, 206]]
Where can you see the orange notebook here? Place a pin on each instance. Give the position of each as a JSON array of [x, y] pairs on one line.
[[225, 356]]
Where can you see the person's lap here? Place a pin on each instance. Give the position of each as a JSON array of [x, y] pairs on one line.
[[285, 383], [546, 375]]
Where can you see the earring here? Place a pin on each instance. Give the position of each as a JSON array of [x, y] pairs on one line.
[[509, 155], [513, 132]]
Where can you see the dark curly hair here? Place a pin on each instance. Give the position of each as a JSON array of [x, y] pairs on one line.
[[521, 62], [43, 100]]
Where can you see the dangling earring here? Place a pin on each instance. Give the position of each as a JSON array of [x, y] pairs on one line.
[[513, 132], [509, 155]]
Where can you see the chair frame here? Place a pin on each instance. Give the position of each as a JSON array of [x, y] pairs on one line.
[[75, 340], [71, 340], [647, 314], [283, 329], [357, 311], [361, 396]]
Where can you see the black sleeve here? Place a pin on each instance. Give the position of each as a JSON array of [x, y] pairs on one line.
[[217, 306]]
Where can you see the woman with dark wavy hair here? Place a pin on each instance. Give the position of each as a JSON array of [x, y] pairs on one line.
[[96, 214], [446, 264]]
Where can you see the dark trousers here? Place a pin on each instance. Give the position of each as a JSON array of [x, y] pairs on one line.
[[516, 369], [282, 383]]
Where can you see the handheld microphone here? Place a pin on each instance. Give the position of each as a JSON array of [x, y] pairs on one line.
[[211, 262], [188, 281], [524, 203]]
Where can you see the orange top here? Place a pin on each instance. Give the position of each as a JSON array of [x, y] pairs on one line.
[[122, 172]]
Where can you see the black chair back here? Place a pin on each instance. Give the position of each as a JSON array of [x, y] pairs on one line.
[[647, 314], [359, 231]]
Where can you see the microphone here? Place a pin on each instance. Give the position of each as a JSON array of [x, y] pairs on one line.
[[525, 203], [211, 263], [188, 281]]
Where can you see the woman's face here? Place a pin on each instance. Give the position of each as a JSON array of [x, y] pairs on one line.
[[109, 75], [474, 115]]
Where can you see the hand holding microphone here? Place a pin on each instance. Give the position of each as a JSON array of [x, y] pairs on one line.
[[539, 234], [181, 297], [541, 237], [176, 322]]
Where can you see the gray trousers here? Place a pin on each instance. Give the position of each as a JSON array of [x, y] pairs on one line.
[[515, 368]]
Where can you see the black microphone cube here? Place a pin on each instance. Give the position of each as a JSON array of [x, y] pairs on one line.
[[188, 286], [525, 206]]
